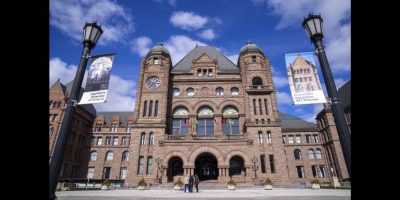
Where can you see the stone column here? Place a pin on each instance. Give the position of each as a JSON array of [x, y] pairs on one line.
[[217, 127]]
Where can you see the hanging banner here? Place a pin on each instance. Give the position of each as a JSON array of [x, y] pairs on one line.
[[98, 79], [303, 78]]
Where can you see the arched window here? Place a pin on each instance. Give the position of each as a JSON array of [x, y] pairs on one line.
[[234, 91], [257, 81], [125, 156], [219, 91], [297, 154], [269, 137], [130, 125], [180, 121], [51, 129], [318, 154], [51, 104], [143, 139], [230, 120], [59, 104], [260, 137], [150, 109], [93, 156], [114, 127], [205, 122], [236, 165], [109, 156], [190, 91], [311, 154], [144, 108], [151, 139], [176, 92], [156, 61], [156, 109]]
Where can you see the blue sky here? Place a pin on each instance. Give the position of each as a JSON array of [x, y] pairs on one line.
[[132, 27]]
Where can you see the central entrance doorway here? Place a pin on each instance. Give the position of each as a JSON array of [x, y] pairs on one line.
[[206, 167]]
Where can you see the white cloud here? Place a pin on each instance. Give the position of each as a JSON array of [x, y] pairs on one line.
[[70, 17], [179, 45], [280, 81], [283, 98], [339, 82], [172, 2], [233, 58], [121, 93], [141, 45], [121, 96], [60, 70], [207, 34], [336, 16], [187, 20], [311, 117]]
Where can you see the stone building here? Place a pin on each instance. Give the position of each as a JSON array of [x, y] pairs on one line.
[[330, 138], [80, 131], [208, 116]]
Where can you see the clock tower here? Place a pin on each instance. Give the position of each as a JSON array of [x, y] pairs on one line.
[[150, 115]]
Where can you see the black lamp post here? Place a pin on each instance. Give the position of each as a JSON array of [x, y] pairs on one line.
[[313, 26], [91, 34]]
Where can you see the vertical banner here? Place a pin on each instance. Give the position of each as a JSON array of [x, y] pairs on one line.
[[303, 78], [98, 79]]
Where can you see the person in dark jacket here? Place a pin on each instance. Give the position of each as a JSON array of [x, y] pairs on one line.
[[196, 182], [191, 180]]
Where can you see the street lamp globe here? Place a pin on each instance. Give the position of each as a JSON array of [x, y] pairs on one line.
[[313, 26], [91, 34]]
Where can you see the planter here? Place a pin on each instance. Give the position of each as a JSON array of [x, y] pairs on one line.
[[141, 187], [231, 187], [268, 187], [315, 186], [104, 187], [59, 186], [177, 187]]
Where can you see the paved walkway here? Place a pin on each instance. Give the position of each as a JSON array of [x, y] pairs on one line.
[[276, 193]]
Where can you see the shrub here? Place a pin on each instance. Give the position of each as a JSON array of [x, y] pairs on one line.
[[268, 181], [106, 183], [142, 182], [179, 182], [315, 181], [231, 182]]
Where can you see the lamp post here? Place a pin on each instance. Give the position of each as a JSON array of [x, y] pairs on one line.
[[313, 26], [91, 34]]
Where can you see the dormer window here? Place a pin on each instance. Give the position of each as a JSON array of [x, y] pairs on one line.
[[199, 72], [156, 61], [253, 59], [210, 72]]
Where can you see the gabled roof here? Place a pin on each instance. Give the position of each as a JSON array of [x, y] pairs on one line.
[[344, 93], [290, 122], [185, 65], [108, 116], [88, 107], [299, 60]]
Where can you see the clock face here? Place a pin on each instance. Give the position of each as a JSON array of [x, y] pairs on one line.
[[153, 82]]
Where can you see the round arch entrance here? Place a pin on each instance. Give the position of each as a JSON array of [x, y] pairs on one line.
[[175, 167], [206, 167]]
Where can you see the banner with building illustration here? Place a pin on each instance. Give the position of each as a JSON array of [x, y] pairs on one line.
[[303, 78], [98, 79]]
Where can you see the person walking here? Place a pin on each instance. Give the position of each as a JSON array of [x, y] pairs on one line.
[[196, 182], [186, 182], [191, 180]]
